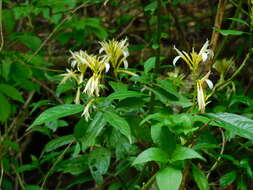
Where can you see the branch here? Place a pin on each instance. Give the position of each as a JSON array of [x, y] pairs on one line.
[[217, 27]]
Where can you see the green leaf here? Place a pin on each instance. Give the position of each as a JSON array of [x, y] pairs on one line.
[[12, 145], [231, 32], [38, 104], [115, 186], [8, 20], [151, 6], [183, 153], [74, 166], [56, 113], [241, 99], [31, 41], [162, 136], [242, 185], [58, 142], [5, 108], [93, 130], [80, 128], [151, 154], [20, 72], [228, 179], [118, 86], [169, 178], [168, 98], [200, 178], [239, 125], [26, 167], [100, 32], [99, 162], [118, 123], [131, 104], [149, 64], [239, 20], [79, 180], [11, 92], [124, 94]]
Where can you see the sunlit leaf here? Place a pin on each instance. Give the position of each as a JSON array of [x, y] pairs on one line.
[[118, 123], [169, 178], [57, 112], [151, 154], [200, 178], [237, 124]]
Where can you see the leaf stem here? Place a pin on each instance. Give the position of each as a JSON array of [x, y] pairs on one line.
[[53, 166], [227, 82], [149, 183]]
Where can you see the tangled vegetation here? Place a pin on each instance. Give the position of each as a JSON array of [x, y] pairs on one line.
[[126, 94]]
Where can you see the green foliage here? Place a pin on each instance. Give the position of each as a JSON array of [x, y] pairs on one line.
[[127, 114]]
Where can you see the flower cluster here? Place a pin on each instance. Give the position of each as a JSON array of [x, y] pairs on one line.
[[193, 61], [115, 54]]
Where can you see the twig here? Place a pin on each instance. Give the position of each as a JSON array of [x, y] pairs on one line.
[[219, 87], [158, 36], [217, 27], [221, 152], [21, 111], [149, 183], [158, 50], [184, 178], [48, 89], [19, 178], [128, 26], [2, 173], [178, 26], [55, 30], [53, 166], [225, 40]]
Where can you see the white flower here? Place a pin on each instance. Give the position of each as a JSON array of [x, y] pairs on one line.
[[68, 75], [86, 111], [125, 64], [92, 86], [201, 98], [116, 51], [193, 59], [107, 67]]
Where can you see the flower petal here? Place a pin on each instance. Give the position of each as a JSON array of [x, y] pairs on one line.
[[125, 64], [204, 57], [107, 67], [125, 53], [73, 63], [204, 48], [101, 50], [209, 83], [176, 59]]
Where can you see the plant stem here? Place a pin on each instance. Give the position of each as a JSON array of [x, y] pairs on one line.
[[225, 40], [217, 27], [68, 17], [53, 166], [158, 51], [158, 36], [149, 183], [221, 152], [184, 179], [227, 82]]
